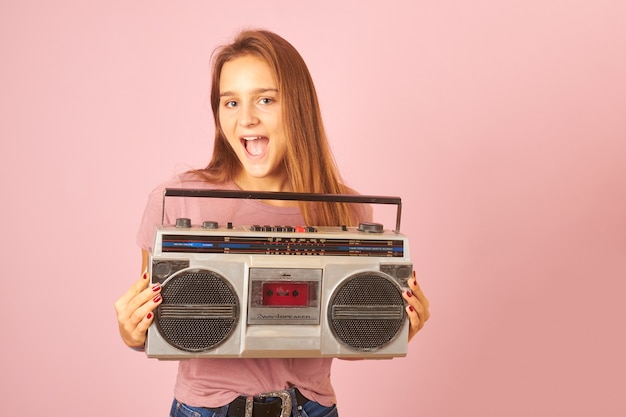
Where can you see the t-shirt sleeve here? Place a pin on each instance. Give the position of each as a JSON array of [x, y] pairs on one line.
[[151, 218]]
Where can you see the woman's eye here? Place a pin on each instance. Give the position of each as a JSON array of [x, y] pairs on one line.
[[266, 100], [230, 104]]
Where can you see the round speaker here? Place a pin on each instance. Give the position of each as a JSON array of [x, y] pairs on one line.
[[200, 310], [366, 311]]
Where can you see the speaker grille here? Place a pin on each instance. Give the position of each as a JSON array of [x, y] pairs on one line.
[[199, 311], [366, 312]]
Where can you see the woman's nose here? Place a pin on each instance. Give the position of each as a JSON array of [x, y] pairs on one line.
[[248, 116]]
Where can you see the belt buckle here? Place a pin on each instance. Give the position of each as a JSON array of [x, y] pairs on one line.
[[285, 398]]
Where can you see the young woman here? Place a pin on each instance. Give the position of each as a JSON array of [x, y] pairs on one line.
[[268, 137]]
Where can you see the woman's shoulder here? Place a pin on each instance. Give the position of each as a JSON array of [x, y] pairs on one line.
[[194, 179], [362, 212], [349, 190]]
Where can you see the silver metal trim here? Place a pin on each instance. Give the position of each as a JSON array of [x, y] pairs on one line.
[[285, 397]]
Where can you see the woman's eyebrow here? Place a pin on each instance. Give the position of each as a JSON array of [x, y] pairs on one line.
[[253, 92]]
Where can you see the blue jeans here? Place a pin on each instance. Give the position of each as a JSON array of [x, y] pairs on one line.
[[309, 409]]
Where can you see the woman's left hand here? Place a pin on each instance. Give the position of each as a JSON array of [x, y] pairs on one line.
[[417, 309]]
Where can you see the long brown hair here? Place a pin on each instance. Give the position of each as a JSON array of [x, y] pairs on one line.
[[308, 162]]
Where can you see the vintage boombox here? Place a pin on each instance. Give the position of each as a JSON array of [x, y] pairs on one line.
[[279, 291]]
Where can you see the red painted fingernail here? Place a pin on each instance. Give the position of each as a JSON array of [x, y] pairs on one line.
[[157, 299], [411, 309], [145, 275], [409, 293], [415, 282], [149, 316], [156, 288]]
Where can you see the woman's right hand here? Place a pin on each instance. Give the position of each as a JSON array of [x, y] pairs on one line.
[[135, 311]]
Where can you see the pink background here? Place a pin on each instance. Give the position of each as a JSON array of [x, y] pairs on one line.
[[501, 123]]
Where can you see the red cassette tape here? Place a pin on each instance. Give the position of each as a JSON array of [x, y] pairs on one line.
[[280, 294]]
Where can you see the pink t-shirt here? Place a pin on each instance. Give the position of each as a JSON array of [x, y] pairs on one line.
[[214, 382]]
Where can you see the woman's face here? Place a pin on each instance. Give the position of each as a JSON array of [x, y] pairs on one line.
[[251, 118]]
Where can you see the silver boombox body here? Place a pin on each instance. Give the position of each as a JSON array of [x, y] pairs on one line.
[[279, 291]]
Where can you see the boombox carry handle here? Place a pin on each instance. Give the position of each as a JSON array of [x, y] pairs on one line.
[[275, 195]]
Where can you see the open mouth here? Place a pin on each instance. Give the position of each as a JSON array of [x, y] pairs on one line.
[[255, 145]]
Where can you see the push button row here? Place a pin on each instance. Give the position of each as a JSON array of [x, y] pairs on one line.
[[297, 229]]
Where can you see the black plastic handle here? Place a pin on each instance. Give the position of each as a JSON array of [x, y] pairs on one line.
[[290, 196]]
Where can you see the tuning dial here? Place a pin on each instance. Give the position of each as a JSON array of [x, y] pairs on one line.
[[183, 223], [209, 224]]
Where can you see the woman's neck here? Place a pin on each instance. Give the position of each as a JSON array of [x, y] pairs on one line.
[[272, 184]]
